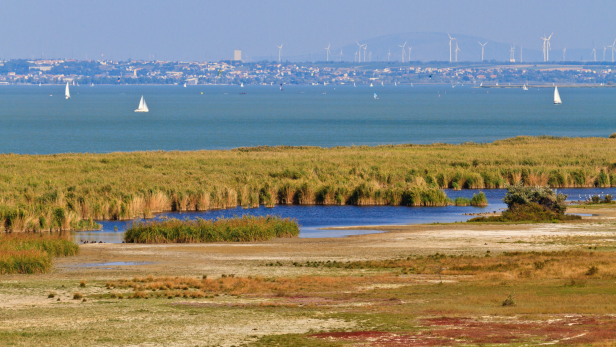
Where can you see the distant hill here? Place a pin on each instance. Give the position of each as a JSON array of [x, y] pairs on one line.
[[435, 47]]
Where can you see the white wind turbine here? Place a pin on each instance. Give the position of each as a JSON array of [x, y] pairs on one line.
[[565, 54], [365, 48], [594, 53], [404, 45], [279, 52], [613, 49], [457, 50], [548, 47], [512, 54], [410, 49], [341, 55], [360, 46], [604, 48], [450, 38], [388, 55], [327, 49], [482, 46]]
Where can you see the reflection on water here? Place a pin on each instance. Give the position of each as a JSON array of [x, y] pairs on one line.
[[312, 218]]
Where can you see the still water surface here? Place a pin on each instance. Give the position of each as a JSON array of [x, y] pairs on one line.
[[313, 218], [102, 119]]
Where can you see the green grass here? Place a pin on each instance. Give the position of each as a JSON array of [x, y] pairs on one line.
[[29, 254], [69, 191], [244, 229], [532, 212]]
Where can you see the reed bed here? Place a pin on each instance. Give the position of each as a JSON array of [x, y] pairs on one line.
[[69, 191], [29, 254], [243, 229]]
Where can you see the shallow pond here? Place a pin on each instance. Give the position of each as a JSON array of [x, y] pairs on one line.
[[313, 218]]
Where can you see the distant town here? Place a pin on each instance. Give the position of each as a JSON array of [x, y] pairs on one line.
[[236, 72]]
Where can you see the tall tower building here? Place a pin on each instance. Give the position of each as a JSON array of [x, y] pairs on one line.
[[237, 54]]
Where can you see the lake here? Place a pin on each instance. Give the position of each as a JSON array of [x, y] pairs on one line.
[[101, 119]]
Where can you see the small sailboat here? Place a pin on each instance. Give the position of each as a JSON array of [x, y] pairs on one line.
[[375, 96], [39, 84], [354, 84], [411, 84], [280, 86], [395, 84], [557, 100], [242, 85], [382, 84], [524, 87], [371, 85], [481, 84], [497, 83], [73, 82], [143, 107], [67, 93], [92, 84]]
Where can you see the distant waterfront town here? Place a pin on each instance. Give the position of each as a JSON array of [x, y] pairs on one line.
[[236, 72]]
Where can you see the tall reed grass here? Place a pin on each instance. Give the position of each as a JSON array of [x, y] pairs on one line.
[[243, 229], [28, 253], [69, 191]]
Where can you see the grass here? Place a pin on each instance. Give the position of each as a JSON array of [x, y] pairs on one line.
[[32, 253], [69, 191], [243, 229]]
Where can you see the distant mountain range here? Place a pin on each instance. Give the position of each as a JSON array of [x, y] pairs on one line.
[[435, 47]]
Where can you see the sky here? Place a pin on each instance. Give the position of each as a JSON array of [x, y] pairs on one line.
[[192, 30]]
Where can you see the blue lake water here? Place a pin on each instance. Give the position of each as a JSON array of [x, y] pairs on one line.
[[102, 119], [313, 218]]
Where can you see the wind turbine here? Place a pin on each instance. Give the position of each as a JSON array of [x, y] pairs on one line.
[[327, 49], [340, 55], [359, 51], [613, 48], [482, 45], [410, 48], [365, 48], [457, 50], [370, 56], [594, 53], [388, 55], [604, 48], [564, 54], [520, 54], [512, 54], [450, 38], [404, 45], [548, 47], [279, 52]]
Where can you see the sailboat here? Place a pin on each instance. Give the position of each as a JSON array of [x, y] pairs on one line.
[[375, 96], [481, 84], [395, 84], [354, 84], [67, 93], [524, 87], [242, 85], [143, 107], [184, 85], [411, 84], [371, 85], [557, 100], [73, 82], [382, 84], [39, 84]]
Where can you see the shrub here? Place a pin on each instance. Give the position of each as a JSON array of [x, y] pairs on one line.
[[479, 200], [30, 254], [593, 270], [546, 197], [82, 284], [460, 201], [77, 296], [613, 136], [531, 212]]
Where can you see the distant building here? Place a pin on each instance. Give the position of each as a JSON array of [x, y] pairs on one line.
[[237, 54]]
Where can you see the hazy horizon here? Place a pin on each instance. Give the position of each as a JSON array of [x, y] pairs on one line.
[[195, 30]]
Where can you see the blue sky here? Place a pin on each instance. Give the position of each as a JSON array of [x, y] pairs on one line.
[[210, 30]]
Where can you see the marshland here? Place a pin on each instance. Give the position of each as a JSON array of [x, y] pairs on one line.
[[72, 191]]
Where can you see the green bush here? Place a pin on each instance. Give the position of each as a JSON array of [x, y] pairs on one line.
[[546, 197], [479, 200]]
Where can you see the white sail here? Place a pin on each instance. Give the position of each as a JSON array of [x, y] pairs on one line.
[[370, 84], [242, 85], [143, 107], [184, 85], [557, 100], [375, 96], [67, 93]]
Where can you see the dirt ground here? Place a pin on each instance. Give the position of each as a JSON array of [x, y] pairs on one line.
[[28, 316]]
